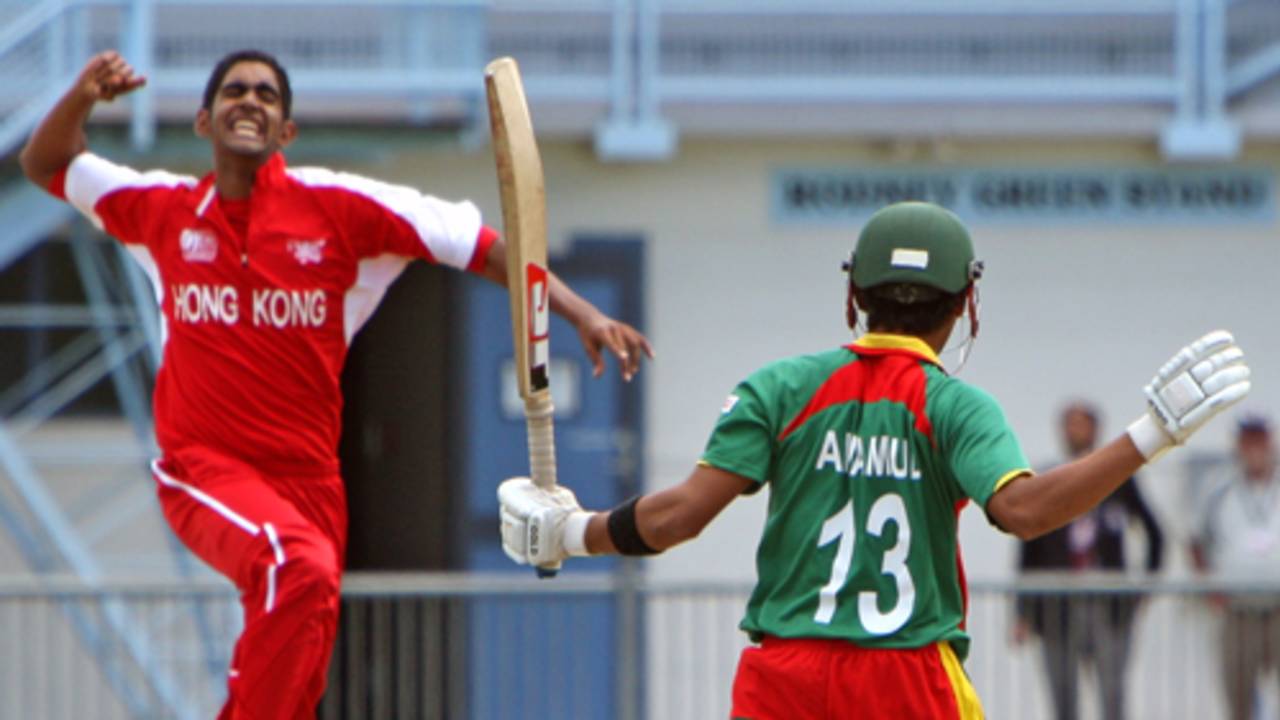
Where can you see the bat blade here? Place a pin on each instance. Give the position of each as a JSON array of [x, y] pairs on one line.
[[524, 220]]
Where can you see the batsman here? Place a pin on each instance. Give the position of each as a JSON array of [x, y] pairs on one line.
[[871, 450]]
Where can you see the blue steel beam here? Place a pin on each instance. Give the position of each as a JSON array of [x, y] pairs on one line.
[[28, 215], [42, 375], [129, 391], [66, 545], [139, 42], [72, 386], [1254, 71]]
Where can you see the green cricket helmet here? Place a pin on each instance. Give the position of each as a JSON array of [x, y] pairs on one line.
[[915, 243]]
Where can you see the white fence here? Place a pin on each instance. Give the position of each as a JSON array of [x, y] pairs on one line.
[[52, 664]]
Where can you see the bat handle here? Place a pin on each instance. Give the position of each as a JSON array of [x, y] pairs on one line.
[[539, 419], [539, 415]]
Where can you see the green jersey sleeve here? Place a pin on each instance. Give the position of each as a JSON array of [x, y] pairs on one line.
[[743, 439], [980, 447]]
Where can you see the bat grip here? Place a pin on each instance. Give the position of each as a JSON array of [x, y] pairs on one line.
[[539, 415], [539, 420]]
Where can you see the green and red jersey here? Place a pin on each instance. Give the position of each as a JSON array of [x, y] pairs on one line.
[[870, 452]]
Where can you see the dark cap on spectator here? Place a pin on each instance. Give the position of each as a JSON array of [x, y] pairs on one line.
[[1253, 423]]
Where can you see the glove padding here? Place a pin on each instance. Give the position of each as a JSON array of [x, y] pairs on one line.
[[535, 520], [1200, 381]]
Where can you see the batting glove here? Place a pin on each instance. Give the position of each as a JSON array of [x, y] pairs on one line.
[[540, 525], [1200, 381]]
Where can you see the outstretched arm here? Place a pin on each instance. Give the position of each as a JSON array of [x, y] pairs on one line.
[[60, 136], [1032, 505], [669, 517], [597, 331], [1200, 381]]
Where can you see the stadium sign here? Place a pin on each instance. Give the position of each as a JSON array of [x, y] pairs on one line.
[[1169, 195]]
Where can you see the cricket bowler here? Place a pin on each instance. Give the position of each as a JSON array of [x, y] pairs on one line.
[[264, 273], [870, 452]]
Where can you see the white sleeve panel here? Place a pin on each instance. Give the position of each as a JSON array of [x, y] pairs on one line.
[[90, 178], [147, 262], [448, 230], [373, 277]]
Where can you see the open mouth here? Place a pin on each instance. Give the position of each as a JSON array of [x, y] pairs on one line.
[[245, 128]]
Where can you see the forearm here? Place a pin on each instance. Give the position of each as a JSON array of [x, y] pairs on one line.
[[570, 305], [57, 139], [1033, 505], [669, 517], [564, 301], [60, 135], [658, 521]]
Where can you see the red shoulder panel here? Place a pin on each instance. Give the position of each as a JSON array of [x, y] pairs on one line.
[[894, 375]]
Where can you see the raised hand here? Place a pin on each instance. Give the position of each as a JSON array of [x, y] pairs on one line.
[[107, 76], [1199, 381], [60, 135]]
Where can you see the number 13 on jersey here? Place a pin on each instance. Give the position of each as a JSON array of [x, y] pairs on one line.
[[839, 528]]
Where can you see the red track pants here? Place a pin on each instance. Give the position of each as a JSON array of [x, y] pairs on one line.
[[281, 541], [815, 679]]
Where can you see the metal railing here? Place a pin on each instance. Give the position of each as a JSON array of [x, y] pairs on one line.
[[627, 67], [422, 628]]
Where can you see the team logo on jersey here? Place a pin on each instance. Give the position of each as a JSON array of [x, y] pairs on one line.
[[198, 245], [729, 404], [307, 252]]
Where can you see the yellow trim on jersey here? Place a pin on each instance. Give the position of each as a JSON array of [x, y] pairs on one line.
[[967, 701], [892, 341], [1010, 477]]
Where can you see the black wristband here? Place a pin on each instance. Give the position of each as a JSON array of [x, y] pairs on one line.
[[622, 530]]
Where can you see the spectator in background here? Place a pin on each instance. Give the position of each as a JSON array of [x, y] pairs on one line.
[[1238, 538], [1078, 629]]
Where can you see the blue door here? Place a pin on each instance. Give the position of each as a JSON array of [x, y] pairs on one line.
[[530, 657]]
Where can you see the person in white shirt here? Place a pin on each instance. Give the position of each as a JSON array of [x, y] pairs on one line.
[[1238, 538]]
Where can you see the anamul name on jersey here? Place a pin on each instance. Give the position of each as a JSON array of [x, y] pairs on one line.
[[870, 451]]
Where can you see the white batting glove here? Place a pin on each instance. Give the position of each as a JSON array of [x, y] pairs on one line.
[[1200, 381], [540, 526]]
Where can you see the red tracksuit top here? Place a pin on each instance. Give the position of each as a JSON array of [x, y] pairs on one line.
[[256, 326]]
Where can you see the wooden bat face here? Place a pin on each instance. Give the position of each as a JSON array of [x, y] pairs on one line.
[[521, 185]]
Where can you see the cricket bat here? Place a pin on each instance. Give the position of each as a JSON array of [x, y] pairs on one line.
[[524, 228]]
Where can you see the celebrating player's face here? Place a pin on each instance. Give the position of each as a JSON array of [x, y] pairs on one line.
[[248, 111]]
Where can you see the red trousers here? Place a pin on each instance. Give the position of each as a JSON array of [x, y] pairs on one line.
[[281, 541], [813, 679]]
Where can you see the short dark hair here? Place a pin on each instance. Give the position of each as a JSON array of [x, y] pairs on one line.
[[1084, 407], [230, 59], [909, 308], [1254, 423]]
